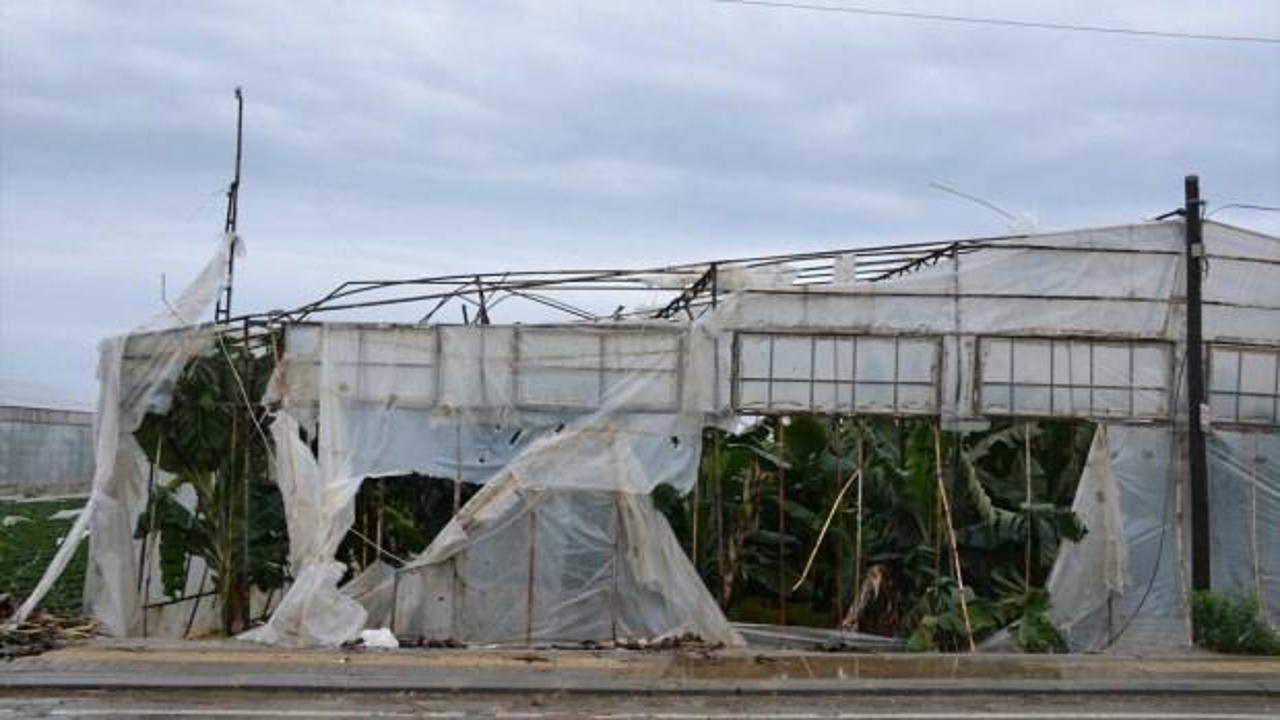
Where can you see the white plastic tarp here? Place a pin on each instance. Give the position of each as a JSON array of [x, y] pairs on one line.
[[565, 415], [1122, 588], [135, 374]]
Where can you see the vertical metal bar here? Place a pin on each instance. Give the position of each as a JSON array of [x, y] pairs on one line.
[[1132, 390], [813, 369], [613, 595], [1091, 381], [1253, 526], [896, 352], [515, 366], [853, 377], [533, 544], [718, 489], [835, 427], [1071, 377], [437, 356], [222, 311], [395, 596], [697, 504], [735, 371], [144, 565], [1239, 382], [857, 543], [1013, 406], [1275, 398], [1053, 367], [244, 586], [481, 367], [835, 375], [768, 403], [679, 371], [715, 374], [1026, 469], [457, 465], [600, 383], [1200, 550], [782, 522]]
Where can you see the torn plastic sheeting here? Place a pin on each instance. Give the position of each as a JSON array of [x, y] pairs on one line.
[[169, 340], [312, 611], [556, 565], [582, 457], [381, 414], [1149, 612], [1244, 516], [1087, 572]]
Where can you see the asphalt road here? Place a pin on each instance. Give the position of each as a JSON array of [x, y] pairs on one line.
[[228, 679], [280, 704]]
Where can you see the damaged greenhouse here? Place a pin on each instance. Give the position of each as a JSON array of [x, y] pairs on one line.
[[543, 442]]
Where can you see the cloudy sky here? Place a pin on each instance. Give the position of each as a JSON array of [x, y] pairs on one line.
[[397, 139]]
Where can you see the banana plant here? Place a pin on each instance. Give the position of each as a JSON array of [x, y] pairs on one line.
[[219, 505]]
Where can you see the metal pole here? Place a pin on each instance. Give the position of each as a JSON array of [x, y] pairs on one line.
[[222, 313], [1200, 575], [243, 587]]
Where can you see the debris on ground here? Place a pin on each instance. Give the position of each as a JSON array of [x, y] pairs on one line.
[[41, 632], [687, 641], [447, 643], [379, 639]]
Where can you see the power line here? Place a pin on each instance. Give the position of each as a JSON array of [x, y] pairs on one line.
[[1003, 22]]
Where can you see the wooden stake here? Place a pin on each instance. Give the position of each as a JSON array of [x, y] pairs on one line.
[[457, 468], [782, 522], [533, 545], [951, 536], [1026, 468], [717, 490], [697, 503], [839, 449], [823, 533], [857, 543], [1253, 526]]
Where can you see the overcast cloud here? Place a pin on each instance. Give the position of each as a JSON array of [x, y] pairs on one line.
[[396, 139]]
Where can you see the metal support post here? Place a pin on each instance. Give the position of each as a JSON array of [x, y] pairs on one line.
[[1200, 575]]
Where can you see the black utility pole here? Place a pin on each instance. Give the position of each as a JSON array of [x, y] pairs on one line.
[[1200, 577], [222, 313]]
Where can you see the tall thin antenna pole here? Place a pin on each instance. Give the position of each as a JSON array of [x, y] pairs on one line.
[[223, 311]]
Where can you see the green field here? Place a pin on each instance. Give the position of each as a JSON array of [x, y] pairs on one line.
[[26, 547]]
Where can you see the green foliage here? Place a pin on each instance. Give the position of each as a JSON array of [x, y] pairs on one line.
[[27, 546], [220, 504], [1007, 541], [1231, 623], [402, 514]]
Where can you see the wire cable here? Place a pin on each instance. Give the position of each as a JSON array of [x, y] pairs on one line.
[[1243, 206], [1003, 22]]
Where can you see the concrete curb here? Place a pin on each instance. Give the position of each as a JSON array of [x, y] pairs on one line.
[[540, 684]]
